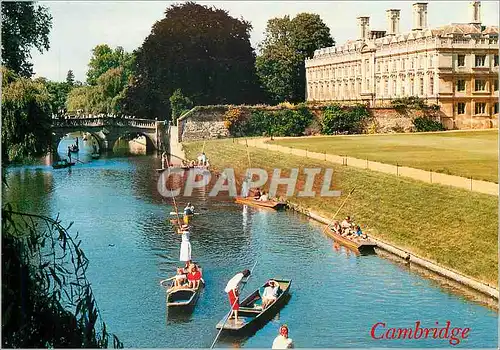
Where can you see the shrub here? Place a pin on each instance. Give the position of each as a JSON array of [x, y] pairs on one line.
[[344, 120], [234, 121], [427, 124], [284, 122]]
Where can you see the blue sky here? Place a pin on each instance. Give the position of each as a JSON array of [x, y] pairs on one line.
[[80, 26]]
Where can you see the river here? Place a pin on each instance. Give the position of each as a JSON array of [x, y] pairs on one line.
[[336, 296]]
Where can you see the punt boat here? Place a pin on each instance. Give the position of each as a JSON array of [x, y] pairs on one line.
[[95, 155], [256, 203], [183, 297], [250, 314], [363, 246], [62, 164]]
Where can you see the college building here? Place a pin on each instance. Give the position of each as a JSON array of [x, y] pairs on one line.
[[454, 66]]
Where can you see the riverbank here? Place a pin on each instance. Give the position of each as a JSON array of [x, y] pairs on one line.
[[455, 228]]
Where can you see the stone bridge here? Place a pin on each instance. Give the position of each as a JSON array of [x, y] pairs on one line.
[[108, 129]]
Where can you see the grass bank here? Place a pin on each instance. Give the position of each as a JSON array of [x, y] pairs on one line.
[[453, 227], [467, 154]]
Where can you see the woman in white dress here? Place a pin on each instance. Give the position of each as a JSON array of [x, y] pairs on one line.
[[185, 254]]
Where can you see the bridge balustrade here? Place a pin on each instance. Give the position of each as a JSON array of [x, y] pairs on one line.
[[103, 121]]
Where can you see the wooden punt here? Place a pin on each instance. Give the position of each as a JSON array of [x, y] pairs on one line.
[[267, 204], [95, 155], [250, 315], [62, 164], [363, 246], [183, 297]]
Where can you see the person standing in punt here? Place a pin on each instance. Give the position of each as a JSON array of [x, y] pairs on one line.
[[69, 154], [233, 292], [185, 254], [282, 341]]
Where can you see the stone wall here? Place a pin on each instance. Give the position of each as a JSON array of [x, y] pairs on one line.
[[207, 122], [202, 122]]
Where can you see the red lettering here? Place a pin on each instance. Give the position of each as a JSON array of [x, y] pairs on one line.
[[387, 336], [375, 327], [465, 333], [417, 335]]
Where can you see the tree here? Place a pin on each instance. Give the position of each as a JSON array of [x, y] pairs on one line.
[[287, 43], [70, 78], [179, 104], [26, 118], [47, 300], [104, 58], [202, 51], [25, 26]]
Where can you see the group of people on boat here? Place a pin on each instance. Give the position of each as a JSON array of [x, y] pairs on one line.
[[259, 195], [347, 229], [188, 276]]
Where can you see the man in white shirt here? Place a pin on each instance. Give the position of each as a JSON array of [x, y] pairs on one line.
[[282, 341], [270, 294], [233, 291]]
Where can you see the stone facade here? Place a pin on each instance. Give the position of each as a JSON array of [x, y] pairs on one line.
[[202, 123], [454, 66]]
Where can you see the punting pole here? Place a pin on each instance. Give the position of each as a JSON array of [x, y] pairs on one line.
[[177, 213], [334, 215], [229, 313]]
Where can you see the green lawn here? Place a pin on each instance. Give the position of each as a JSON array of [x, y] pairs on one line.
[[473, 153], [456, 228]]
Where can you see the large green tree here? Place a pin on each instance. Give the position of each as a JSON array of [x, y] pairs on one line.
[[25, 26], [110, 71], [287, 43], [105, 58], [26, 117], [202, 51]]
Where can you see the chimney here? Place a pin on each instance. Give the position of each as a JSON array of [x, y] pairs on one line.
[[393, 21], [363, 27], [475, 12], [419, 15]]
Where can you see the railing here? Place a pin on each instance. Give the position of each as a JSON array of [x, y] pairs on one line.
[[69, 121]]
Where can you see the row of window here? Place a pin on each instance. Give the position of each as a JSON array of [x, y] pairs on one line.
[[394, 65], [383, 88], [479, 60], [479, 85], [479, 108]]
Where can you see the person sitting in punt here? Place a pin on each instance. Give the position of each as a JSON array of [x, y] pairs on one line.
[[194, 276], [257, 194], [180, 278], [192, 164], [358, 233], [335, 227], [264, 197], [270, 294], [346, 226]]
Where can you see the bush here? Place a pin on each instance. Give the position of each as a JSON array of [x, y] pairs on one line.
[[284, 122], [344, 120], [234, 121], [427, 124]]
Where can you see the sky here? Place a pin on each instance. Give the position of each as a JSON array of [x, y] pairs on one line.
[[77, 27]]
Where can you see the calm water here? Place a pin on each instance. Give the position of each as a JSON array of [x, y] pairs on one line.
[[336, 296]]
